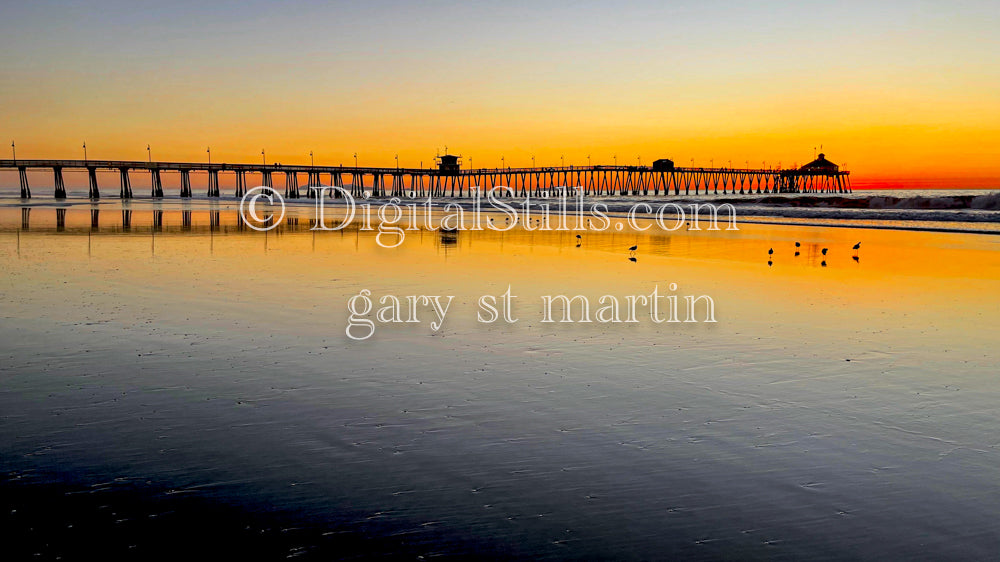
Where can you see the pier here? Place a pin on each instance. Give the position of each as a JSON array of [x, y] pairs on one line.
[[448, 179]]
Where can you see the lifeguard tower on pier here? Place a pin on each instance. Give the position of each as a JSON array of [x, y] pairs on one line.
[[449, 164], [818, 176]]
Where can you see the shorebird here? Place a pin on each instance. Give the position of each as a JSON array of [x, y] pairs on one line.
[[578, 237], [634, 248], [825, 250], [770, 252], [797, 244]]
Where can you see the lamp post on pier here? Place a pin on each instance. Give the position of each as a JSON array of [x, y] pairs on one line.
[[312, 162], [84, 151], [208, 149], [263, 157], [149, 154], [13, 151]]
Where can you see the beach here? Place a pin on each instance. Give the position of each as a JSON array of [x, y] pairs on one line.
[[175, 377]]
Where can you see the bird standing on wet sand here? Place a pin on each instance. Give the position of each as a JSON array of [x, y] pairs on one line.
[[770, 252], [857, 247], [634, 248], [825, 250], [797, 244]]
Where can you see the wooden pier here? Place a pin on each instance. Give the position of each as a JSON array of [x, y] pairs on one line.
[[448, 180]]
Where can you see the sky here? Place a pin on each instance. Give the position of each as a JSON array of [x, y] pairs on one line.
[[903, 94]]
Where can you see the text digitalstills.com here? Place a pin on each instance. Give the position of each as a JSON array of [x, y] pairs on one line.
[[555, 210]]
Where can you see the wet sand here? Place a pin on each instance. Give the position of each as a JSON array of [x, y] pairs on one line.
[[165, 382]]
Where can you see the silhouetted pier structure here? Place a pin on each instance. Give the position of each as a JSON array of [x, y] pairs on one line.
[[450, 180]]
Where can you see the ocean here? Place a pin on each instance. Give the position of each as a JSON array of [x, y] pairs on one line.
[[175, 384]]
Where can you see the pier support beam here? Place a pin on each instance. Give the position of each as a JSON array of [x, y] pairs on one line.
[[241, 183], [312, 184], [213, 183], [397, 185], [126, 185], [22, 174], [155, 185], [337, 180], [186, 183], [93, 191], [291, 185], [357, 184], [60, 185]]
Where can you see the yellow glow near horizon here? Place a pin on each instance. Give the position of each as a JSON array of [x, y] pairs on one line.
[[902, 95]]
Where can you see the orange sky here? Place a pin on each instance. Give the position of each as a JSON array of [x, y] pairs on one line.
[[904, 94]]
